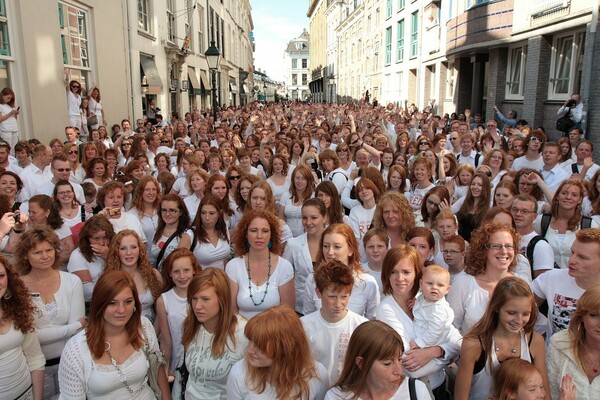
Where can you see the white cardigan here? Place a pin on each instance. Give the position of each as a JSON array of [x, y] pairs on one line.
[[297, 253]]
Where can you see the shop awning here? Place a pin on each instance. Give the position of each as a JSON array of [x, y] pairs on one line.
[[151, 73], [193, 78], [205, 81]]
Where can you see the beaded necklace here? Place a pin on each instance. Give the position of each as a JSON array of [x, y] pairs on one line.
[[250, 281], [122, 378]]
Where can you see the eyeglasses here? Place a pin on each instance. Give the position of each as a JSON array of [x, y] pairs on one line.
[[491, 126], [535, 139], [163, 142], [500, 246], [75, 86], [451, 251], [235, 177], [65, 192], [126, 144], [71, 152], [423, 143], [342, 150], [520, 211], [169, 210], [63, 169]]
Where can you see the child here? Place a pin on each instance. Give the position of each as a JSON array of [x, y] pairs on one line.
[[517, 379], [461, 181], [453, 250], [329, 329], [376, 242], [445, 226], [432, 314], [89, 191]]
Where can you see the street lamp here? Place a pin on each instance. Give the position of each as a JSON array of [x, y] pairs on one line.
[[331, 83], [265, 90], [213, 58]]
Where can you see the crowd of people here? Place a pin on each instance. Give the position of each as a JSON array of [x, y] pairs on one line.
[[299, 251]]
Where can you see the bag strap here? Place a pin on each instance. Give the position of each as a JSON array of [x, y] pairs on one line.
[[193, 246], [477, 158], [164, 248], [530, 249], [586, 222], [546, 218], [412, 390], [82, 213]]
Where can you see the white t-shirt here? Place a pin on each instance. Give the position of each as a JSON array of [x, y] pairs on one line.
[[237, 387], [402, 393], [363, 300], [149, 223], [267, 296], [433, 320], [77, 262], [522, 162], [562, 293], [293, 213], [329, 341], [208, 255], [297, 253], [543, 255], [468, 301], [415, 198], [128, 221]]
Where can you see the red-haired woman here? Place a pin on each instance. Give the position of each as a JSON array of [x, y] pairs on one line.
[[361, 215], [145, 206], [278, 362], [21, 358], [217, 186], [128, 253], [213, 336], [178, 270], [302, 187], [108, 359], [259, 277]]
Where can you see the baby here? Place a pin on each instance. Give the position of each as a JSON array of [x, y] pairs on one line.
[[432, 314]]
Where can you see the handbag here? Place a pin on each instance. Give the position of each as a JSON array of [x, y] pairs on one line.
[[184, 376], [155, 359], [93, 120], [565, 123]]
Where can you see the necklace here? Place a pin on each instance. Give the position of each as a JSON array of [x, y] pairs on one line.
[[250, 282], [70, 214], [513, 350], [122, 378]]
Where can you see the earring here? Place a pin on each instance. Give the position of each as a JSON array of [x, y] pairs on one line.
[[270, 245], [134, 308], [7, 295]]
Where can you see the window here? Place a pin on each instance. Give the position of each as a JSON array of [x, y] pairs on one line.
[[188, 25], [143, 15], [4, 39], [304, 63], [400, 42], [414, 34], [304, 79], [473, 3], [294, 63], [294, 79], [567, 64], [400, 5], [388, 9], [222, 48], [388, 45], [74, 41], [211, 23], [201, 46], [516, 72], [170, 21]]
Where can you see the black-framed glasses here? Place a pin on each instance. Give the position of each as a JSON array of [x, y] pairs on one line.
[[76, 86], [169, 210], [164, 142], [500, 246], [423, 143], [235, 177]]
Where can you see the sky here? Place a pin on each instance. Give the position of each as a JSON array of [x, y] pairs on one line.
[[276, 22]]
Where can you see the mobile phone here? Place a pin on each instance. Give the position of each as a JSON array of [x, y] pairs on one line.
[[17, 217]]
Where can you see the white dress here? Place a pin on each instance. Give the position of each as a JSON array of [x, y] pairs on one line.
[[263, 296]]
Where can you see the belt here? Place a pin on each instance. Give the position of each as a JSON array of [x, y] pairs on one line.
[[54, 361]]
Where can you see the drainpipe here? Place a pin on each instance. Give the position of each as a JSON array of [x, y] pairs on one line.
[[587, 78], [128, 66]]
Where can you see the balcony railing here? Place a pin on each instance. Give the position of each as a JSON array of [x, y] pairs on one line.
[[541, 8]]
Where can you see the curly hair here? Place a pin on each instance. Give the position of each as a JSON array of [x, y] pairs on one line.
[[107, 188], [240, 236], [27, 242], [98, 223], [113, 261], [476, 259], [18, 306], [45, 202], [138, 195], [400, 203], [283, 160], [89, 170]]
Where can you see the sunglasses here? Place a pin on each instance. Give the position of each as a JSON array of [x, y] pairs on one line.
[[73, 152], [423, 144], [75, 86], [164, 142], [126, 144], [63, 169], [235, 177]]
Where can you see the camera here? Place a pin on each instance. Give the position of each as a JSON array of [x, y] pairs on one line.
[[571, 103], [17, 218]]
